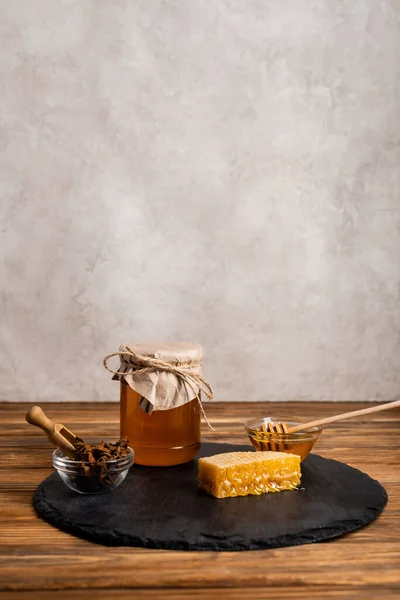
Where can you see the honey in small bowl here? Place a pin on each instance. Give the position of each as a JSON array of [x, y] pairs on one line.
[[300, 442]]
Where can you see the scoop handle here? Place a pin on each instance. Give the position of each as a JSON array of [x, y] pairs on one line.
[[36, 416], [54, 431]]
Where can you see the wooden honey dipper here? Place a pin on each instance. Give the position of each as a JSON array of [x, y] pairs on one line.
[[281, 428]]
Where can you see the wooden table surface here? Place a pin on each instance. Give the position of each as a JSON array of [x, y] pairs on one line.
[[38, 561]]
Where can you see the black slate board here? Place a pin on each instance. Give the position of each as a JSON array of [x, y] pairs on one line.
[[163, 508]]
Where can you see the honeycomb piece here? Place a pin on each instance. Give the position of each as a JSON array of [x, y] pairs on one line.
[[242, 473]]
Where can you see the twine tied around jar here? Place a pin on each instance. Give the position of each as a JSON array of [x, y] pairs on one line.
[[139, 363]]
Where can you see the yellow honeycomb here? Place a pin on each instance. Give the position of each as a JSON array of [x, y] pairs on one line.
[[242, 473]]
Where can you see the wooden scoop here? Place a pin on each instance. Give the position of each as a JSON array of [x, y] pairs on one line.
[[282, 428], [58, 435]]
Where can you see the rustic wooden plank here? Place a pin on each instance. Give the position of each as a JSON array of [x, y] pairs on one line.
[[35, 556], [189, 570], [248, 593]]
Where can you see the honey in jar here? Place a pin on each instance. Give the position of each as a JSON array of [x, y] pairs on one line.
[[160, 410], [164, 437]]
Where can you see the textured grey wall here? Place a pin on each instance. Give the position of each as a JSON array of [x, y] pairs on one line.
[[215, 170]]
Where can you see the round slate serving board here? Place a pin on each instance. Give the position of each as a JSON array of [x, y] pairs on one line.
[[159, 507]]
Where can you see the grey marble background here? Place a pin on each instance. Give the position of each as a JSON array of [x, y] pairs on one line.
[[212, 170]]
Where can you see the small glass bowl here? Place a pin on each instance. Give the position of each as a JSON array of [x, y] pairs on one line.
[[92, 478], [300, 442]]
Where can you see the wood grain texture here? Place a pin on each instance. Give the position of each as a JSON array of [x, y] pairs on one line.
[[35, 557]]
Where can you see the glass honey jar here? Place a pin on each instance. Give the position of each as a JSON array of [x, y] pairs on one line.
[[160, 406]]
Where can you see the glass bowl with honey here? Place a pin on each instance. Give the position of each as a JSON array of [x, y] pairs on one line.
[[299, 442]]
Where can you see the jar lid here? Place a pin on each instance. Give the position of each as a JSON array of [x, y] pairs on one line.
[[165, 374], [175, 353]]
